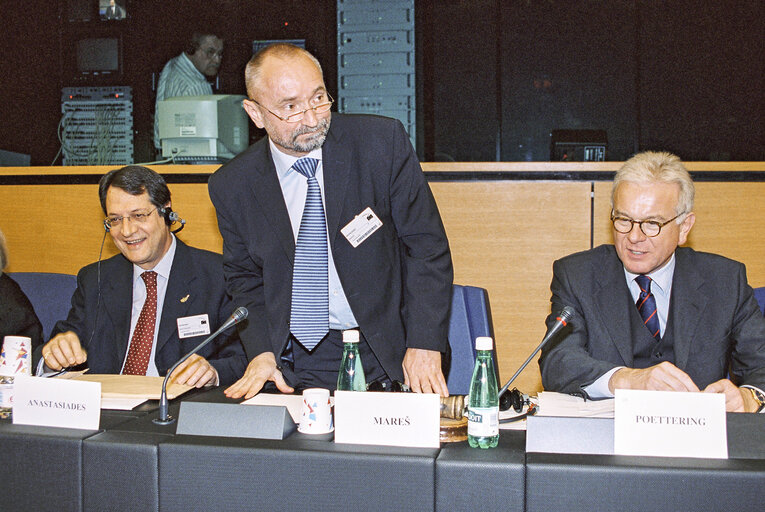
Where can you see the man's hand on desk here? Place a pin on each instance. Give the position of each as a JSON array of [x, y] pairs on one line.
[[664, 376], [668, 377], [195, 371], [64, 350], [260, 370], [736, 399], [422, 371]]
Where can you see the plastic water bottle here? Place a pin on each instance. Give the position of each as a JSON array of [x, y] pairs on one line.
[[483, 402], [6, 396], [351, 376]]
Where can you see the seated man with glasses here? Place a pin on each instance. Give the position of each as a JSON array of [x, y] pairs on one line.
[[652, 315], [140, 311]]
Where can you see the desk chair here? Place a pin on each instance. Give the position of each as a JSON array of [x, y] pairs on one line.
[[470, 317], [50, 294], [759, 295]]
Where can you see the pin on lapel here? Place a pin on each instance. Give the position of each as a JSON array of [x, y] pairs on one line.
[[184, 299]]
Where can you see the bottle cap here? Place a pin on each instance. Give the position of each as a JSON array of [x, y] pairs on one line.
[[483, 343], [351, 336]]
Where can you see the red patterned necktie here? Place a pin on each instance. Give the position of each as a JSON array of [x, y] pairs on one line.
[[139, 352]]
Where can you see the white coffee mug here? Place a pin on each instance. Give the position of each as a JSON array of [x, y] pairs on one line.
[[316, 416], [16, 356]]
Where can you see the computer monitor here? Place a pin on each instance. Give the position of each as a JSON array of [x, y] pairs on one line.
[[98, 56], [212, 128]]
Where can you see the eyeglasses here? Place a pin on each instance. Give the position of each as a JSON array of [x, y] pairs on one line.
[[324, 101], [138, 217], [650, 228], [212, 52]]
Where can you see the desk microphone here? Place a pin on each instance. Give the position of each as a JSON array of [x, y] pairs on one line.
[[560, 322], [237, 316]]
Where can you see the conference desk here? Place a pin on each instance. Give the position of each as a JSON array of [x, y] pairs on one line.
[[133, 464]]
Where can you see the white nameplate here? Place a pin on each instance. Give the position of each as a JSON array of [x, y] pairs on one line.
[[56, 403], [670, 424], [391, 419], [361, 227], [190, 326]]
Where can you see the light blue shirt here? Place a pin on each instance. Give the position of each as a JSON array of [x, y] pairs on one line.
[[139, 297], [179, 77], [661, 288], [294, 189]]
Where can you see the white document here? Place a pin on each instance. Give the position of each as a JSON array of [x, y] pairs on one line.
[[391, 419], [560, 404], [670, 424], [293, 403], [121, 404], [56, 403]]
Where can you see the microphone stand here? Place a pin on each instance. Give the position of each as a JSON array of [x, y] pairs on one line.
[[563, 319], [164, 416]]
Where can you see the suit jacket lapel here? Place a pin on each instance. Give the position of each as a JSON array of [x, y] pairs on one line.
[[264, 184], [686, 305], [613, 301], [179, 287], [336, 159], [117, 301]]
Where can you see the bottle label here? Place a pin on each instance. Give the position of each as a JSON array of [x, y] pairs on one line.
[[483, 421], [6, 396]]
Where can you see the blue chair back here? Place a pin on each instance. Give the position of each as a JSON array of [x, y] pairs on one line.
[[470, 318], [759, 295], [50, 294]]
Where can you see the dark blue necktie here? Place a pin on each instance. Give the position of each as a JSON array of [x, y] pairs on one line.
[[646, 304], [309, 317]]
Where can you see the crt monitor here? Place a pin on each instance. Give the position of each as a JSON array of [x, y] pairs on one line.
[[212, 128], [98, 56]]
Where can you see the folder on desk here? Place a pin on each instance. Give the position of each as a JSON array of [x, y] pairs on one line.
[[133, 386]]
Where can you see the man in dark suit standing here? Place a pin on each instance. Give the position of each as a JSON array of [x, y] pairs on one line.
[[140, 311], [652, 315], [114, 11], [379, 260]]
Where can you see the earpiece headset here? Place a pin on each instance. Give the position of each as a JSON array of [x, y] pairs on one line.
[[169, 215], [516, 400]]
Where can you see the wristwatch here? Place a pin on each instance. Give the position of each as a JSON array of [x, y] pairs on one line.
[[758, 397]]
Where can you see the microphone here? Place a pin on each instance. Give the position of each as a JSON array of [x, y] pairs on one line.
[[560, 322], [164, 418]]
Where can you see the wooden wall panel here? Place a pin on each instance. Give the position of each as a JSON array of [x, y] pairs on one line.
[[504, 234], [504, 237], [52, 228]]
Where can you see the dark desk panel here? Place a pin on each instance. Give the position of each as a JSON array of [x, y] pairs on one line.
[[610, 482], [299, 473], [120, 471], [42, 467], [473, 479]]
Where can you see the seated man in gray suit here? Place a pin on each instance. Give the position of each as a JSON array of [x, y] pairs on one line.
[[652, 315], [140, 311]]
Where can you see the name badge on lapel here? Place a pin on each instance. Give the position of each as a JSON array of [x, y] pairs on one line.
[[190, 326], [361, 227]]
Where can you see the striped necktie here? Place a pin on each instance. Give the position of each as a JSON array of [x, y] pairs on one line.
[[646, 304], [309, 317]]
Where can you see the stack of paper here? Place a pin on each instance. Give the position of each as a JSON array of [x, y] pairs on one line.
[[558, 404]]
